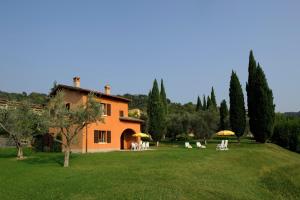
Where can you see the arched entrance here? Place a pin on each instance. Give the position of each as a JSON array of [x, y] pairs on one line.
[[127, 139]]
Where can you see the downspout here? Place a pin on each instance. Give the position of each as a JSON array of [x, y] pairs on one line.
[[86, 138]]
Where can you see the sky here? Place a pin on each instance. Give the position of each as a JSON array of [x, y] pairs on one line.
[[191, 45]]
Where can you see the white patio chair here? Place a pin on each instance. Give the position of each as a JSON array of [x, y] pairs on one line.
[[143, 145], [133, 146], [199, 145], [147, 145], [225, 147], [140, 145], [220, 146], [187, 145]]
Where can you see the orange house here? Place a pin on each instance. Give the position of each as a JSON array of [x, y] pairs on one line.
[[115, 133]]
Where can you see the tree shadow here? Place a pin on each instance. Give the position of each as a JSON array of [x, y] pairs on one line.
[[8, 155], [41, 159]]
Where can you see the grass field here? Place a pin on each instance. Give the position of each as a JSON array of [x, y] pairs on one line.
[[246, 171]]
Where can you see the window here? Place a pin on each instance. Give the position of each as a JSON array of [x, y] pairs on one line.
[[102, 136], [121, 113], [106, 109]]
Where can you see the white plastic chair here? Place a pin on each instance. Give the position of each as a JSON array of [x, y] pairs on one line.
[[225, 147], [147, 145], [187, 145], [199, 145], [143, 145], [133, 146], [220, 146]]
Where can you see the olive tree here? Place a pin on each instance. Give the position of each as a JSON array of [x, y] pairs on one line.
[[21, 123], [69, 122]]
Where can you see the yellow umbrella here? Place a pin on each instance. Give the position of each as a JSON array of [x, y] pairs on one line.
[[225, 133], [143, 135]]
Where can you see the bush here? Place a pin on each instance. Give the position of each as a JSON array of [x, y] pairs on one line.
[[46, 143], [287, 132]]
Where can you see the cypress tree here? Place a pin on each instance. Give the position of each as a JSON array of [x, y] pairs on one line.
[[213, 98], [156, 114], [149, 105], [208, 103], [199, 104], [223, 115], [164, 102], [250, 87], [163, 97], [264, 110], [237, 107], [204, 105]]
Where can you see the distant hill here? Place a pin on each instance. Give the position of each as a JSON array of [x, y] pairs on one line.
[[137, 101], [292, 114], [34, 97]]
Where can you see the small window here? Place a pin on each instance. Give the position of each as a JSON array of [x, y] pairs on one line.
[[106, 109], [103, 108], [121, 113]]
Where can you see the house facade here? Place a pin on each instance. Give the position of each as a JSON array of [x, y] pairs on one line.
[[114, 133]]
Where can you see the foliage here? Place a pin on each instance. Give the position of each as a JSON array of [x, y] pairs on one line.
[[203, 124], [199, 104], [287, 132], [47, 143], [156, 115], [260, 103], [237, 106], [163, 97], [164, 102], [70, 122], [208, 103], [21, 123], [32, 98], [137, 101], [224, 121], [250, 87], [204, 103], [213, 98]]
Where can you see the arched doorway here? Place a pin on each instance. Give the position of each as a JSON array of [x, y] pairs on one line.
[[127, 139]]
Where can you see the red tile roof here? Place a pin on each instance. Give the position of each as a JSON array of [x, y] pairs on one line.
[[87, 91]]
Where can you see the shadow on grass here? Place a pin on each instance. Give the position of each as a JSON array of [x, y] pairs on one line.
[[8, 154], [40, 159]]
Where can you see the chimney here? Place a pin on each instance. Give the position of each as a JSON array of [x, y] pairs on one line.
[[107, 89], [76, 81]]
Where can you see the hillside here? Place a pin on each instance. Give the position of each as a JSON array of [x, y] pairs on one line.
[[34, 97], [246, 171]]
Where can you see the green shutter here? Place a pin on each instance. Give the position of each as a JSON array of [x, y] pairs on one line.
[[108, 136], [96, 137], [108, 109]]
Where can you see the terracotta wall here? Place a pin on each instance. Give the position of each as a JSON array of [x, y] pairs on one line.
[[111, 123]]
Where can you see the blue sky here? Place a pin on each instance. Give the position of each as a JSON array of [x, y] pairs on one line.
[[192, 45]]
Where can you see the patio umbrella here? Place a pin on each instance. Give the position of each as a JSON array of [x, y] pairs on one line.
[[225, 133], [142, 135]]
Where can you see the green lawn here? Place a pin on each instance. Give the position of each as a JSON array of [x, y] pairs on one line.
[[246, 171]]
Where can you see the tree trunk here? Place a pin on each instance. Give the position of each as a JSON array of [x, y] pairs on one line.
[[239, 140], [157, 143], [20, 152], [67, 157]]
